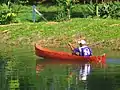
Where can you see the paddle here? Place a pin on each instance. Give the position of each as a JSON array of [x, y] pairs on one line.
[[72, 48]]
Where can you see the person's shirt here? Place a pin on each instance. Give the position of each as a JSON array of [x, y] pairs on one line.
[[83, 51]]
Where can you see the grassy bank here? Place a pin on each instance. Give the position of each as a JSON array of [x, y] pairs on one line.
[[102, 33]]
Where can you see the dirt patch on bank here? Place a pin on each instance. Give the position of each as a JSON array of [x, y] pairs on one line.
[[60, 41], [12, 24], [51, 23]]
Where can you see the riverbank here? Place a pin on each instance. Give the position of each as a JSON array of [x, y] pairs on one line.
[[100, 33]]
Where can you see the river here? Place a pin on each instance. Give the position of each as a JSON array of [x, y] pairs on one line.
[[18, 72]]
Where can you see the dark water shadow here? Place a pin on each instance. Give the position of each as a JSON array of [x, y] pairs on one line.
[[3, 81]]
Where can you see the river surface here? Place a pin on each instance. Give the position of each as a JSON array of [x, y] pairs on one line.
[[18, 72]]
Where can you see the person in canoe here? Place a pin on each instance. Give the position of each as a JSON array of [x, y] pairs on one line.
[[82, 50]]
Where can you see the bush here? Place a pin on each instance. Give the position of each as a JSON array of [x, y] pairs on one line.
[[105, 10], [110, 10], [65, 13], [6, 14]]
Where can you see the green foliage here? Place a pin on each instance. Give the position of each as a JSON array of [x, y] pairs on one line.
[[88, 11], [110, 10], [93, 10], [64, 10], [65, 13], [14, 84], [105, 10], [6, 14], [61, 16]]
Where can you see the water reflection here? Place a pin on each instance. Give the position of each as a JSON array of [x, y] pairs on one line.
[[64, 77], [18, 71], [60, 77], [3, 83], [113, 61]]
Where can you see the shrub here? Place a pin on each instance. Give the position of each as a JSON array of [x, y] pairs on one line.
[[110, 10], [65, 13], [6, 14], [105, 10]]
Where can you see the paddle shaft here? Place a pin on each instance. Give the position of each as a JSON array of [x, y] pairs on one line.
[[71, 46], [72, 49]]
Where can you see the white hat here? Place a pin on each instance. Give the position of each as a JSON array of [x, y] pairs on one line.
[[82, 42]]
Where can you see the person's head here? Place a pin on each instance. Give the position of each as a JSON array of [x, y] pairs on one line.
[[82, 43]]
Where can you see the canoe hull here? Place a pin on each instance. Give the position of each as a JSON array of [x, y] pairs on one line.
[[64, 57]]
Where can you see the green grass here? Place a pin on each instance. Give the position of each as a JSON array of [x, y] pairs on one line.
[[92, 29]]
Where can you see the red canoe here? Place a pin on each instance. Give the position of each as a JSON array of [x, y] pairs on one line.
[[67, 57]]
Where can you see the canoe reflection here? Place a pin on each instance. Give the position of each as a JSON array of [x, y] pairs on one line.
[[41, 63]]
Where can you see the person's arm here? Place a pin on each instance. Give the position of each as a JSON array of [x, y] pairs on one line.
[[73, 49]]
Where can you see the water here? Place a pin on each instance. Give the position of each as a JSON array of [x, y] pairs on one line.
[[113, 61], [18, 72]]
